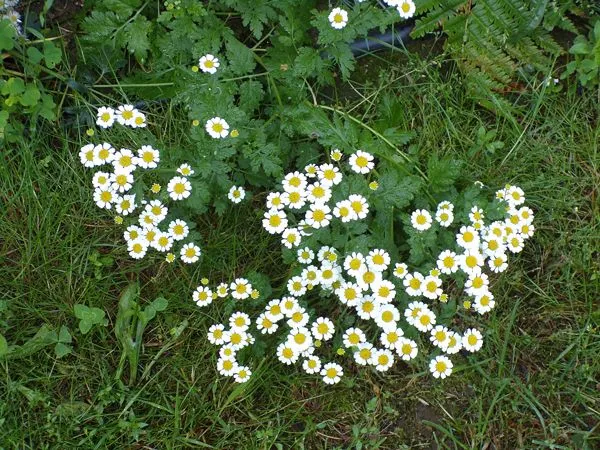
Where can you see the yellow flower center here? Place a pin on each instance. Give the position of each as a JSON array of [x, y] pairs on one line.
[[468, 236], [319, 215], [288, 353], [471, 261], [105, 117], [274, 221], [106, 196], [332, 373], [387, 316], [127, 115], [440, 366], [217, 127], [361, 161], [415, 283], [421, 219], [472, 339]]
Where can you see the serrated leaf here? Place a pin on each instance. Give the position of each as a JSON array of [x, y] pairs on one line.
[[137, 32], [240, 58]]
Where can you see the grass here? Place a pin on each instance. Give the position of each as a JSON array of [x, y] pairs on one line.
[[534, 384]]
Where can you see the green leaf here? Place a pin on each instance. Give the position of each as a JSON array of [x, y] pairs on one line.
[[3, 346], [34, 55], [7, 35], [14, 86], [61, 349], [159, 304], [52, 54], [240, 58], [64, 335], [31, 95], [85, 326], [137, 32]]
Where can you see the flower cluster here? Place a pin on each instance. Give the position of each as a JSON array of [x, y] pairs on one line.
[[8, 12], [338, 17], [394, 304], [112, 190]]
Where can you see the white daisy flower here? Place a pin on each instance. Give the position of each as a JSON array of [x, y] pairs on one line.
[[440, 336], [299, 318], [338, 18], [361, 162], [364, 353], [294, 181], [265, 325], [132, 233], [421, 220], [349, 293], [227, 366], [104, 197], [391, 338], [386, 317], [291, 237], [444, 217], [432, 287], [121, 181], [242, 374], [105, 117], [104, 153], [137, 249], [329, 175], [209, 64], [440, 366], [124, 161], [178, 229], [366, 307], [100, 180], [382, 359], [179, 188], [217, 128], [317, 193], [318, 215], [236, 194], [384, 291], [413, 284], [88, 157], [454, 343], [300, 339], [163, 242], [378, 260], [400, 270], [332, 373], [477, 282], [343, 211], [147, 157], [239, 321], [185, 170], [275, 221], [425, 320], [202, 296], [515, 243], [305, 255], [352, 337], [312, 364], [407, 349], [215, 334], [484, 302], [471, 260], [274, 201], [448, 262], [273, 311], [287, 354], [190, 253], [323, 329], [297, 286], [406, 8], [240, 289], [514, 196], [472, 340], [139, 120], [359, 205], [125, 114]]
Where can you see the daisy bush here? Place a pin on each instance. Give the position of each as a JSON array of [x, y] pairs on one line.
[[131, 183], [391, 259], [354, 295]]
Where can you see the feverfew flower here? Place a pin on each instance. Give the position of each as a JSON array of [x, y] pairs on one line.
[[178, 229], [202, 296], [275, 221], [179, 188], [215, 334], [323, 329], [236, 194], [209, 64], [147, 157], [137, 249], [105, 117], [382, 360], [87, 156], [240, 289], [125, 114], [338, 18], [407, 349], [472, 340], [185, 170], [312, 364], [190, 253], [421, 220], [217, 128], [361, 162], [406, 8], [332, 373], [441, 366], [444, 217]]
